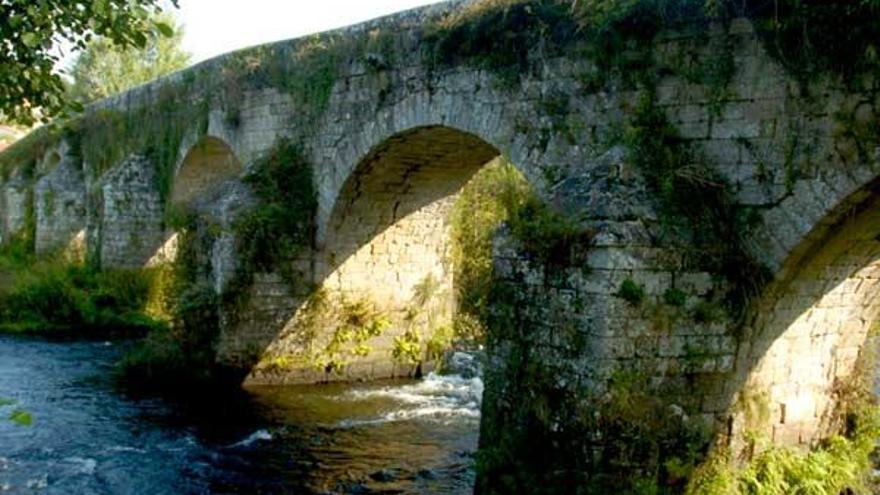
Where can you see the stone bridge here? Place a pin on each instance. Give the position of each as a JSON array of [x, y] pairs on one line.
[[755, 325]]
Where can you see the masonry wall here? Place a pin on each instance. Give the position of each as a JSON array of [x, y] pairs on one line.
[[386, 251], [15, 197], [131, 215], [59, 201]]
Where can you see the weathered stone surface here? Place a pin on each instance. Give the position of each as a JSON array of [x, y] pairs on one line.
[[131, 215], [59, 201]]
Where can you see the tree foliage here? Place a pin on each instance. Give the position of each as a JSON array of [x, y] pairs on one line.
[[33, 32], [104, 68]]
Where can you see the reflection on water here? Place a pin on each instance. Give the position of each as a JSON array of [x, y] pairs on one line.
[[88, 438]]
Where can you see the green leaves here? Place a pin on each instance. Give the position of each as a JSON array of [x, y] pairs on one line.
[[30, 39], [17, 416], [21, 417], [165, 29], [31, 89]]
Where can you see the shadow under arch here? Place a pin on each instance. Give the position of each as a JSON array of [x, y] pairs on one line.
[[805, 334], [382, 256], [206, 166]]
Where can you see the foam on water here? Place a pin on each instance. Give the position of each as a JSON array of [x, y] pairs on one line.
[[83, 465], [257, 436], [126, 448], [436, 397]]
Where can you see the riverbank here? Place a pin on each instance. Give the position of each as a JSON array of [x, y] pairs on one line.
[[64, 297]]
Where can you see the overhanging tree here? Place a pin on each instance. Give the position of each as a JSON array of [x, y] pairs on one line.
[[32, 32]]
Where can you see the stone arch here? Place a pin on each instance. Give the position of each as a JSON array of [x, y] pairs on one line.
[[385, 250], [807, 332], [208, 163]]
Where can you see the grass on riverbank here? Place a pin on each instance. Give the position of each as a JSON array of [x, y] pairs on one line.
[[59, 296]]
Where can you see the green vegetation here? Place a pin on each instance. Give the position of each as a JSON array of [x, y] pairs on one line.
[[30, 87], [675, 297], [105, 137], [54, 297], [631, 292], [483, 205], [350, 324], [280, 227], [358, 322], [282, 224], [22, 155], [499, 195], [708, 312], [57, 295], [18, 416], [271, 236], [104, 69], [696, 206], [840, 464], [408, 348], [180, 353], [497, 35], [646, 446]]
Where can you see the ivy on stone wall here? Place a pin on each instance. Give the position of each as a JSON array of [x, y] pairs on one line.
[[696, 205], [281, 227]]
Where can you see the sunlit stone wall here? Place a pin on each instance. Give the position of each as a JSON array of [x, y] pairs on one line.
[[809, 333], [59, 203]]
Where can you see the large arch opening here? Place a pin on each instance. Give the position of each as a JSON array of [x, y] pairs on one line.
[[810, 333], [385, 294]]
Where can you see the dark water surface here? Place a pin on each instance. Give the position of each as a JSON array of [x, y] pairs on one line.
[[88, 437]]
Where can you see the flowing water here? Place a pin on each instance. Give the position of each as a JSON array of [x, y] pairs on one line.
[[88, 437]]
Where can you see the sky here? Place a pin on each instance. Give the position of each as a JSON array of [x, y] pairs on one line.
[[213, 27]]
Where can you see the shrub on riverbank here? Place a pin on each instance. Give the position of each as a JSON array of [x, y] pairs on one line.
[[57, 296], [491, 197], [181, 354]]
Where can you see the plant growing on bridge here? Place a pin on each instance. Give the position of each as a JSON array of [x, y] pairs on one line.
[[631, 292], [628, 439], [695, 203], [483, 205], [408, 347], [844, 463], [358, 322], [280, 227], [180, 352]]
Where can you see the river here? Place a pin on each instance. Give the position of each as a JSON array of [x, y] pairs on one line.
[[90, 437]]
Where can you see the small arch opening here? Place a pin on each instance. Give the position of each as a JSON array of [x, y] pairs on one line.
[[208, 163]]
